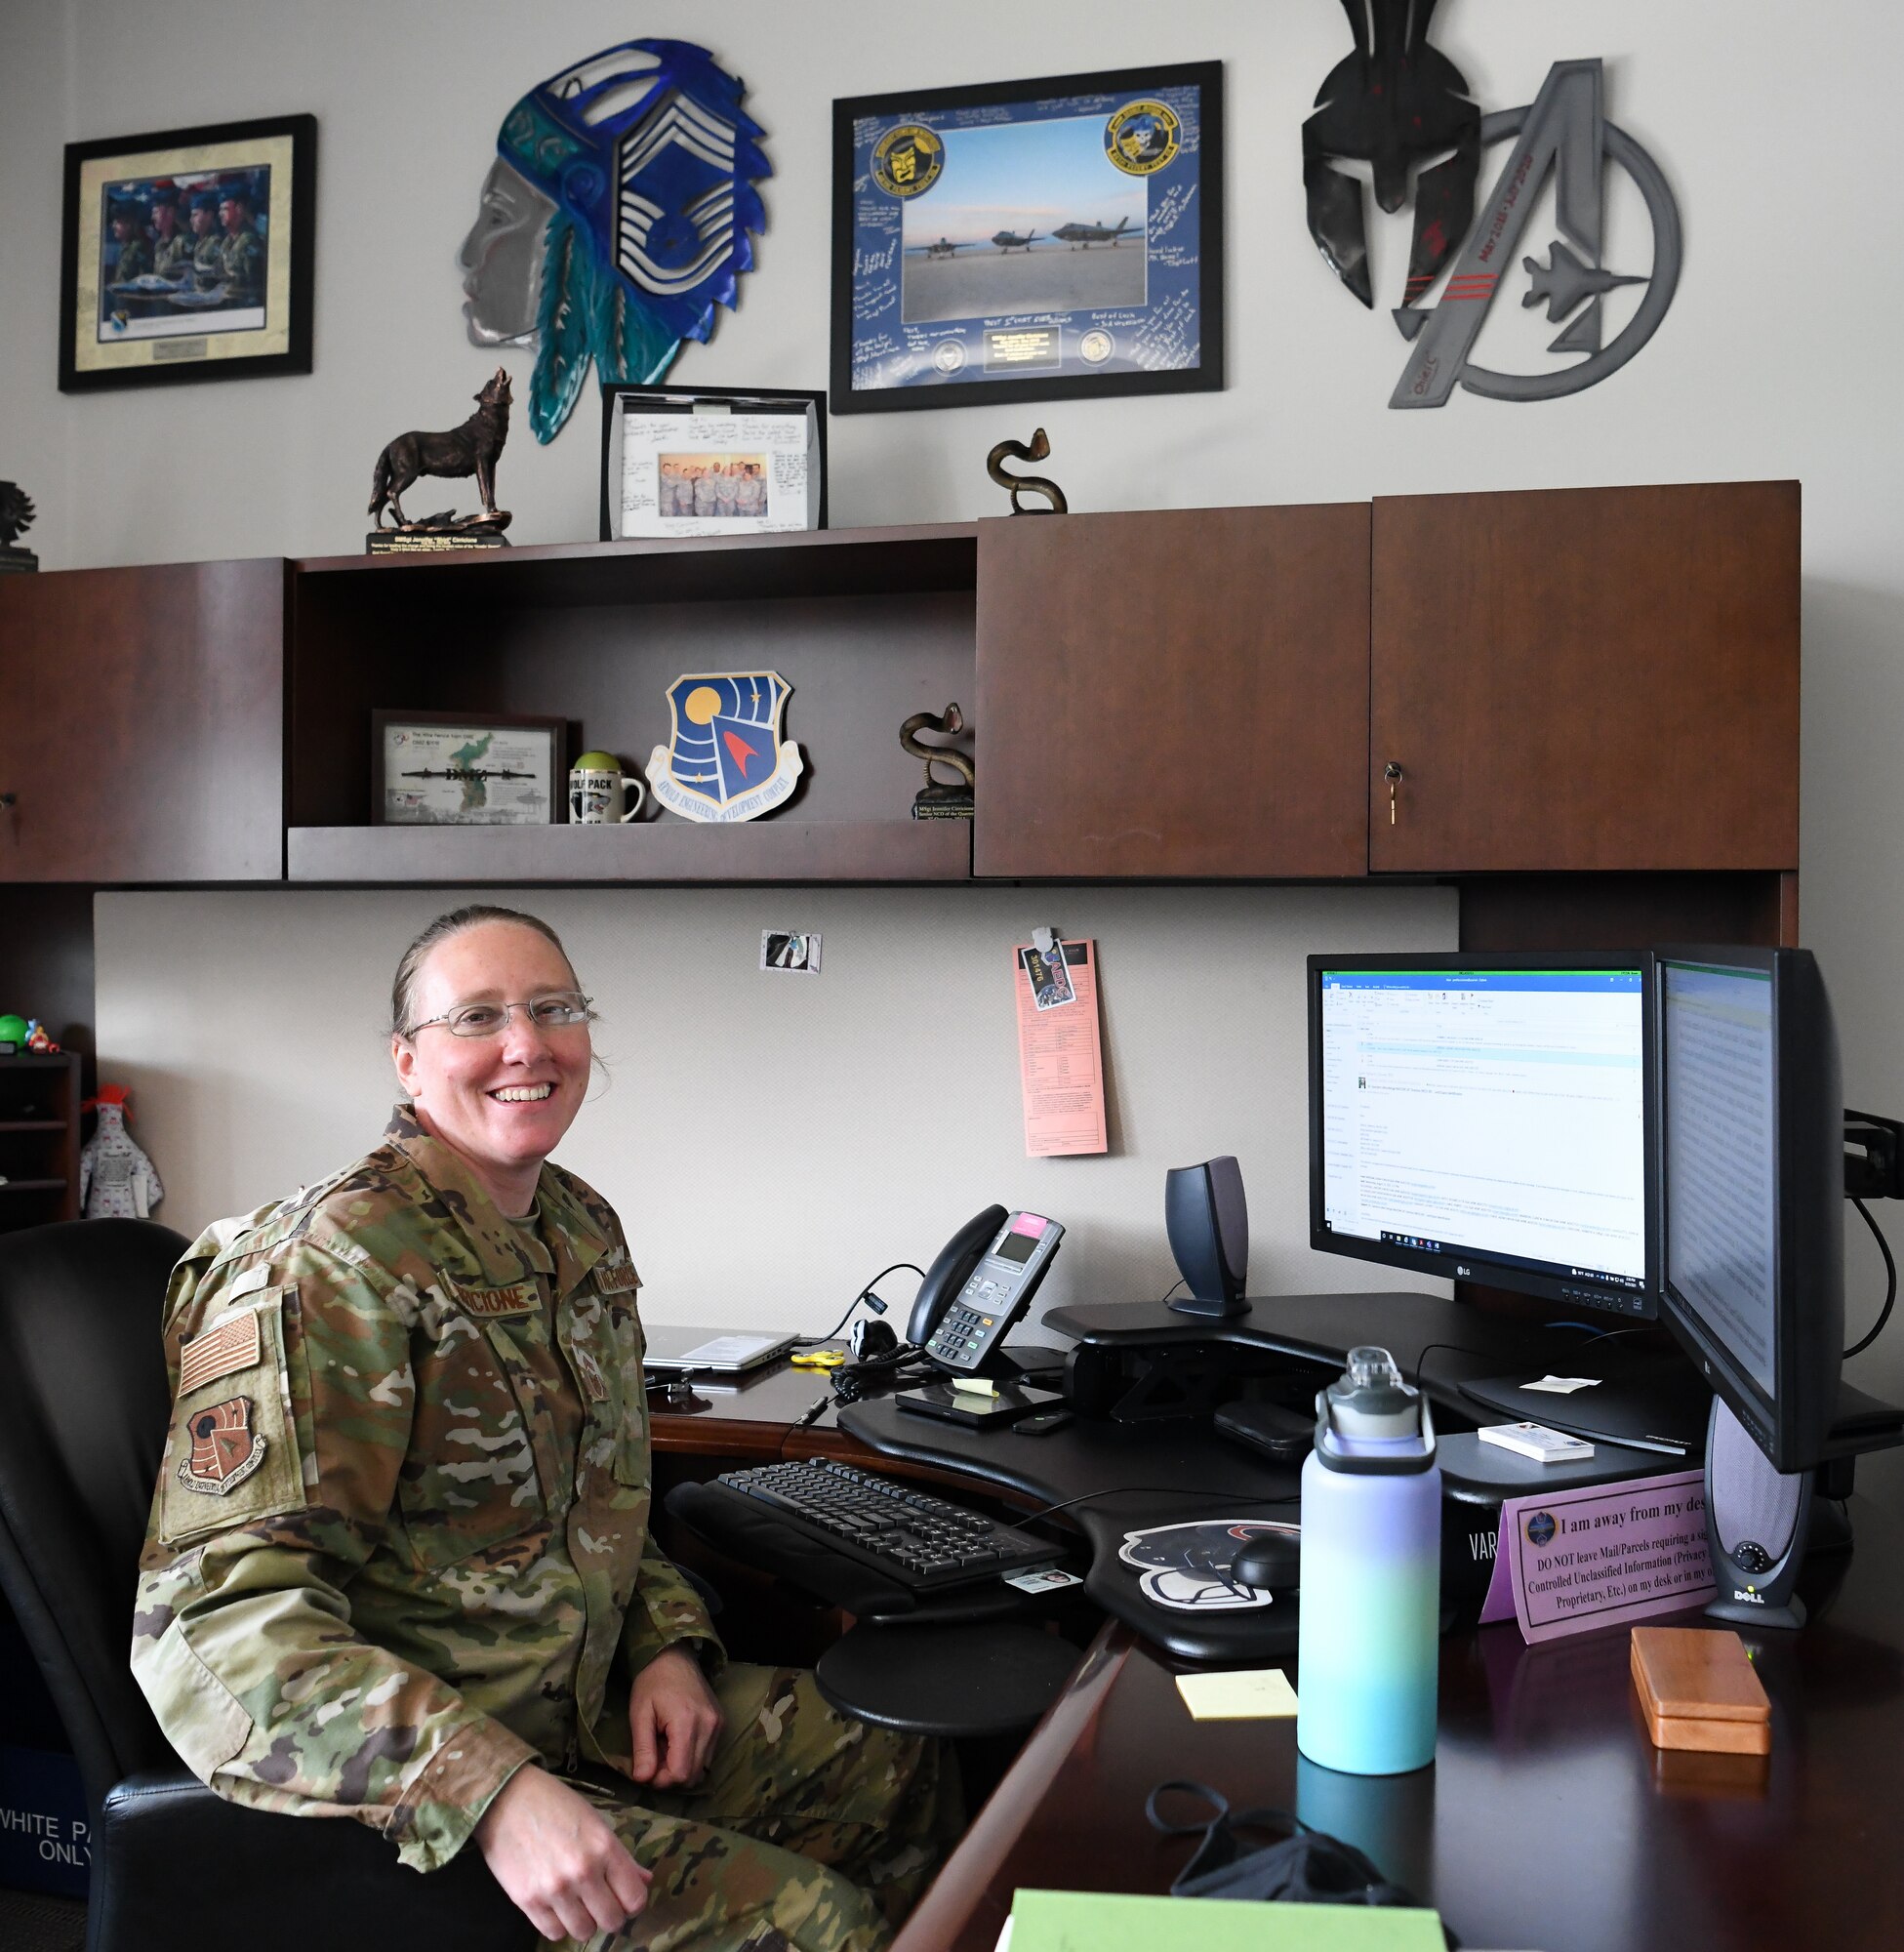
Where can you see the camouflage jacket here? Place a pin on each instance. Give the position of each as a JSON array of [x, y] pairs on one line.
[[242, 261], [400, 1544]]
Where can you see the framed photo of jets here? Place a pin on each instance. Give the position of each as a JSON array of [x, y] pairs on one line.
[[1030, 241]]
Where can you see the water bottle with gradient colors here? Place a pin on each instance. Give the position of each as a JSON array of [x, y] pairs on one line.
[[1371, 1575]]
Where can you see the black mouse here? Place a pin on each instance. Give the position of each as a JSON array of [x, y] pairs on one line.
[[1270, 1561]]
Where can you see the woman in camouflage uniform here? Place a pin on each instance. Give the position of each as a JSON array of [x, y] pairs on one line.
[[400, 1566]]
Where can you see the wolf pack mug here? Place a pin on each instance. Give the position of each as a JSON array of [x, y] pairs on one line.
[[599, 792]]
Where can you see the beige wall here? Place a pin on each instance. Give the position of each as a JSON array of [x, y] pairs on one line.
[[772, 1141], [1773, 123]]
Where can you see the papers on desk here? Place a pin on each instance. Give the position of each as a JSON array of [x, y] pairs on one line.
[[1247, 1694], [1044, 1921]]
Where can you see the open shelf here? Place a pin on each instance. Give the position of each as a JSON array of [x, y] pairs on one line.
[[814, 562], [32, 1124], [648, 852], [32, 1185]]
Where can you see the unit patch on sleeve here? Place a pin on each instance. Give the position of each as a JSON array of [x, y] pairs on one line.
[[224, 1449], [231, 1457]]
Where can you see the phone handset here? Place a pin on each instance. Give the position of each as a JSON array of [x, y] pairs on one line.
[[980, 1284]]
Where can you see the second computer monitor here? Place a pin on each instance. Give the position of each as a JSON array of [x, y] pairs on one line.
[[1751, 1219], [1488, 1119]]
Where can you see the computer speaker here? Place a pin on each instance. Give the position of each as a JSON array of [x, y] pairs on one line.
[[1756, 1520], [1207, 1219]]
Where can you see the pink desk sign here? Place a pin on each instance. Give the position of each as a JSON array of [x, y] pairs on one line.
[[1602, 1555]]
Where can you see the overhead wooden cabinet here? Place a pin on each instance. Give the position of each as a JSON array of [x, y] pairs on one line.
[[141, 733], [867, 627], [1176, 694], [1586, 679]]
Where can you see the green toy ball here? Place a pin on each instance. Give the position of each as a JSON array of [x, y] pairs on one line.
[[12, 1029]]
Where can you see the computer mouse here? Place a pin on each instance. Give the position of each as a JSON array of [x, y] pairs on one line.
[[1270, 1562]]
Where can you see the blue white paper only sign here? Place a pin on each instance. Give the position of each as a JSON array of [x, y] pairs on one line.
[[45, 1843]]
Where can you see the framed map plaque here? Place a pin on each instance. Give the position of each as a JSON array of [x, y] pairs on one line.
[[466, 769], [1028, 240]]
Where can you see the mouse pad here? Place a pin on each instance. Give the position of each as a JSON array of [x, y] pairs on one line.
[[1187, 1566]]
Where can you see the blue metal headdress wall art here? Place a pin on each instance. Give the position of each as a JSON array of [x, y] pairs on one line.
[[650, 163]]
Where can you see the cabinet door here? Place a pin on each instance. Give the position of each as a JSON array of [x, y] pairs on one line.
[[1588, 678], [1181, 693], [143, 734]]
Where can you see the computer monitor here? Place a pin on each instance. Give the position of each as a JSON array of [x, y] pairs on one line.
[[1751, 1182], [1487, 1119]]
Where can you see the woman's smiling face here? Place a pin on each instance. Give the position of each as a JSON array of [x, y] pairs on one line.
[[502, 1102]]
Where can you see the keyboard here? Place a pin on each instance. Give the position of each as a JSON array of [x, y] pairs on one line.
[[916, 1540]]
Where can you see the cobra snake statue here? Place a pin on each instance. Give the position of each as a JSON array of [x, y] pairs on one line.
[[1017, 450], [950, 721]]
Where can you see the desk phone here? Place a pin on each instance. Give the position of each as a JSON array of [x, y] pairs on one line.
[[981, 1284]]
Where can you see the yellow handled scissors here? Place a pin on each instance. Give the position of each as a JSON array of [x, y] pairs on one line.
[[819, 1359]]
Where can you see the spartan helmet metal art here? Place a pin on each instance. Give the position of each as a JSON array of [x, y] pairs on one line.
[[615, 222], [1392, 104]]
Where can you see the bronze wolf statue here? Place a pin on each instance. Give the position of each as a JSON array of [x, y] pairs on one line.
[[470, 449]]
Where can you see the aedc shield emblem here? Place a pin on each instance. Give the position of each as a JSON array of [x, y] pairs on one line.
[[225, 1447], [726, 760]]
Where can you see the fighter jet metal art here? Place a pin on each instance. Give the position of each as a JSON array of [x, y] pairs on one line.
[[1087, 234]]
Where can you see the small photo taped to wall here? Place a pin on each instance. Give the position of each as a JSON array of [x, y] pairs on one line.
[[782, 950], [1044, 970]]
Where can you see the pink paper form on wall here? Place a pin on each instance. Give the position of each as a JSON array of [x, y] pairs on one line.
[[1060, 1058]]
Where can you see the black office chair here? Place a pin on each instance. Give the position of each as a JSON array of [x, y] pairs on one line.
[[82, 1414]]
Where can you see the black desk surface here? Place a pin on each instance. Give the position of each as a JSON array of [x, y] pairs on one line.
[[1548, 1819], [1126, 1477]]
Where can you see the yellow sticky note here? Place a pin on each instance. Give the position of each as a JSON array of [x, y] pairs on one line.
[[1246, 1694]]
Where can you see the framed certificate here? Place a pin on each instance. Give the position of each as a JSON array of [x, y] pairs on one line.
[[466, 769], [1028, 240]]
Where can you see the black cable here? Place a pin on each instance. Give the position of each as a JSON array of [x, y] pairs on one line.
[[1608, 1334], [1457, 1347], [1890, 1281], [849, 1383], [1164, 1298], [1154, 1492], [807, 1341]]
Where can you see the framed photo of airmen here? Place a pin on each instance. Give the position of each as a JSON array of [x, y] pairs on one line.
[[719, 460], [467, 769], [1030, 241], [187, 255]]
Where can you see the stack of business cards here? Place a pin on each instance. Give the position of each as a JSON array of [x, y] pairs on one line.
[[1536, 1441]]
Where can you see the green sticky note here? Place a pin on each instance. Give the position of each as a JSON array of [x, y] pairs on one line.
[[1244, 1694], [1045, 1921]]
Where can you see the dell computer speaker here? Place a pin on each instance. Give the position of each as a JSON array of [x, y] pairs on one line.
[[1756, 1522], [1208, 1223]]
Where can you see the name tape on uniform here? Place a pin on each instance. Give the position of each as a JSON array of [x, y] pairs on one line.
[[524, 1298]]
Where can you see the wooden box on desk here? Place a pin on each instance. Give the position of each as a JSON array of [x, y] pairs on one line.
[[1699, 1691]]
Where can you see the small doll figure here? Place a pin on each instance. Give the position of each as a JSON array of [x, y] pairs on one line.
[[117, 1180]]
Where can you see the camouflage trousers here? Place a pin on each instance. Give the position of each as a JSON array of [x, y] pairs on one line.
[[809, 1830]]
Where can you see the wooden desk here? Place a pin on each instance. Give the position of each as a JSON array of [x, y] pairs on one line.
[[1548, 1820]]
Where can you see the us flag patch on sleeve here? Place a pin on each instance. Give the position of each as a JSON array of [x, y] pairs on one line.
[[223, 1350]]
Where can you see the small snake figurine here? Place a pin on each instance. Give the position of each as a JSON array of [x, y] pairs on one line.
[[1017, 450], [950, 721]]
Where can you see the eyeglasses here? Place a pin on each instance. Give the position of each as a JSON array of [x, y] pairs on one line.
[[557, 1010]]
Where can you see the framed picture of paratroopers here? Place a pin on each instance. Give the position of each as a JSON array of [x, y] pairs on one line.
[[187, 255]]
